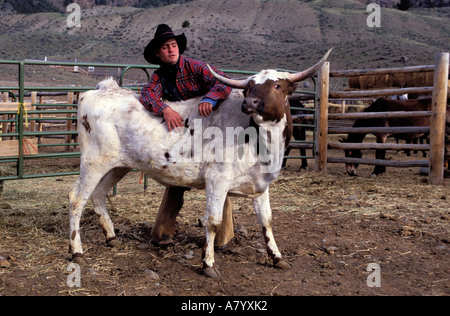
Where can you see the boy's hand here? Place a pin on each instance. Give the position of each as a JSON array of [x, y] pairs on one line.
[[205, 109], [173, 118]]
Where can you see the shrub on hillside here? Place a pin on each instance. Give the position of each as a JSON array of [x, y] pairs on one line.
[[32, 6], [157, 3]]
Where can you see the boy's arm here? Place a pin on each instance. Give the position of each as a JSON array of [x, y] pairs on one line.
[[151, 96]]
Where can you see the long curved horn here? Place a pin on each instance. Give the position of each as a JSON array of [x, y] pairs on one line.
[[311, 71], [234, 83]]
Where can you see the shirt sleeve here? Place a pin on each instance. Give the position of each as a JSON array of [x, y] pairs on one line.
[[213, 102], [151, 96]]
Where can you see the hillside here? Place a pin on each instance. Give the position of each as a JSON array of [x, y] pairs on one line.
[[251, 34], [36, 6]]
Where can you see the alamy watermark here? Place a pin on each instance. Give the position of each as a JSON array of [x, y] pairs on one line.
[[74, 278], [374, 18], [374, 278], [74, 18], [232, 145]]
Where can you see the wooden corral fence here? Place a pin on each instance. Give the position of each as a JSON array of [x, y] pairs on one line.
[[437, 130]]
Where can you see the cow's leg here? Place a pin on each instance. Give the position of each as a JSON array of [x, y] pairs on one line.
[[165, 223], [264, 214], [99, 201], [226, 231], [216, 195], [78, 196]]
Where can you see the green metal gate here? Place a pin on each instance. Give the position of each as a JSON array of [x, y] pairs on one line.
[[307, 144]]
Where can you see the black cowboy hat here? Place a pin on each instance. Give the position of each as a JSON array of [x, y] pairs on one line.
[[163, 33]]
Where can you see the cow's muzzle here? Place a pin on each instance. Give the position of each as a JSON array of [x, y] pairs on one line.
[[251, 105]]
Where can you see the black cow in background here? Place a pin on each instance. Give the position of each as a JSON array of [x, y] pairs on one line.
[[299, 132]]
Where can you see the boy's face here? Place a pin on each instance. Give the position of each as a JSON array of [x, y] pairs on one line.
[[169, 52]]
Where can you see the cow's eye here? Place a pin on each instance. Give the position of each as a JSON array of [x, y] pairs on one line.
[[276, 86]]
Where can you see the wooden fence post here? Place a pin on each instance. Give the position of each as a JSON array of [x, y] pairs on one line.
[[438, 117], [322, 124]]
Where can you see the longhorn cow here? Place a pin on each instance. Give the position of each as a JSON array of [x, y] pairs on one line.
[[117, 135]]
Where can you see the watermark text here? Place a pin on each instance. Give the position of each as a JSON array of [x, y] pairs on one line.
[[374, 18], [74, 18], [74, 278], [374, 279], [232, 145]]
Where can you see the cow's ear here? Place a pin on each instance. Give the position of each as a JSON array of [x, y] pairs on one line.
[[249, 87], [291, 87]]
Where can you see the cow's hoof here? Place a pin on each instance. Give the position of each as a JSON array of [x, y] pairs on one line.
[[211, 272], [79, 259], [166, 242], [113, 243], [221, 248], [282, 264]]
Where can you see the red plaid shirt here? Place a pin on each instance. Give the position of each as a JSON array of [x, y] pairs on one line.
[[192, 80]]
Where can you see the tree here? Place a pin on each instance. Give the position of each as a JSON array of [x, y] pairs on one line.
[[404, 5]]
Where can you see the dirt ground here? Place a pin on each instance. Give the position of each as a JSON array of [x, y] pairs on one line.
[[330, 227]]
